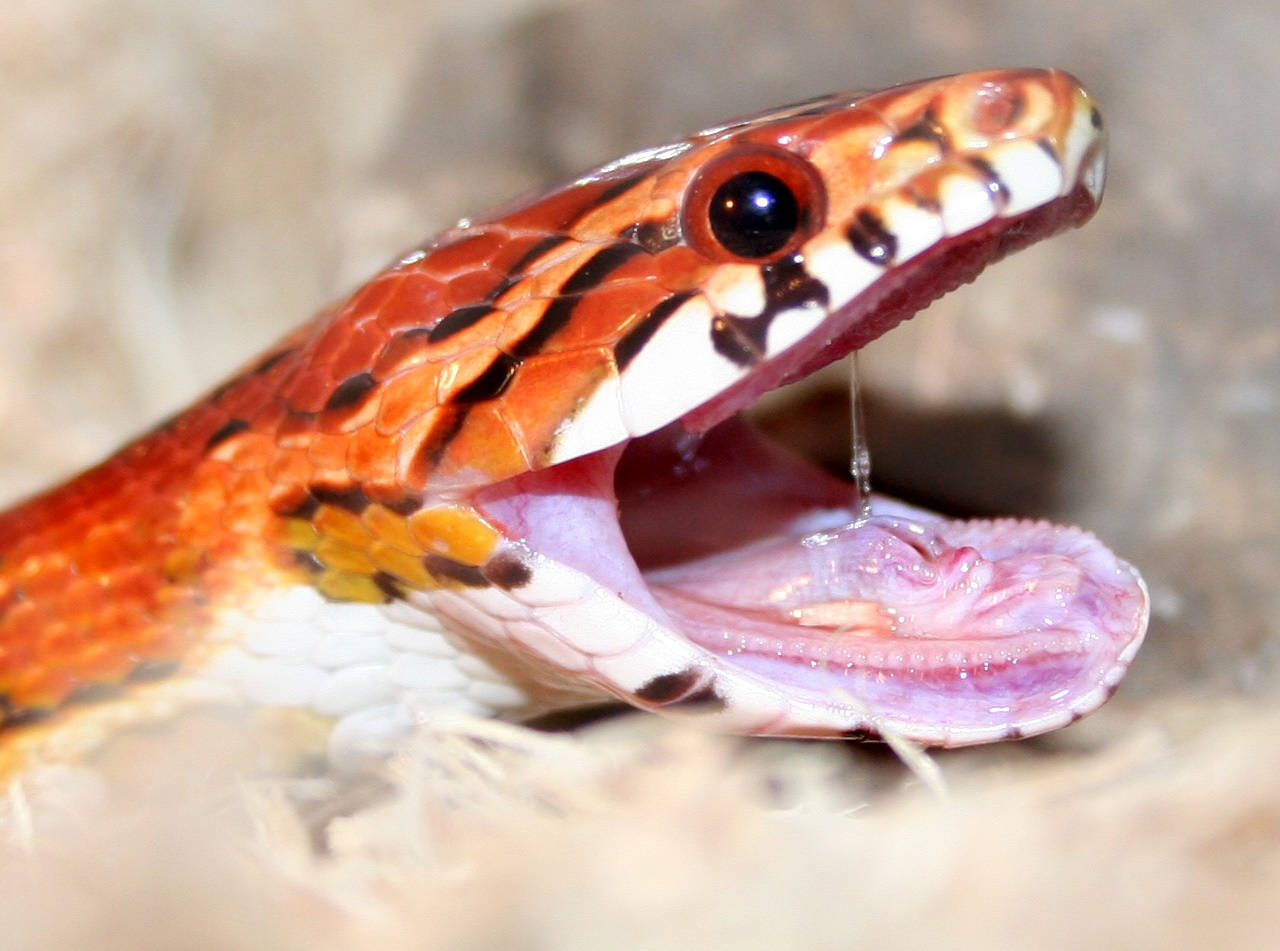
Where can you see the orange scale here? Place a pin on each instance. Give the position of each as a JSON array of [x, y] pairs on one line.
[[418, 294], [246, 452], [40, 686], [402, 352], [369, 298], [289, 468], [406, 397], [681, 269], [484, 446], [599, 317], [463, 370], [344, 420], [100, 664], [267, 416], [368, 460], [476, 247], [308, 391], [517, 250], [250, 484], [521, 319], [557, 210], [356, 352], [340, 525], [635, 204], [208, 489], [548, 389], [470, 287], [328, 451], [547, 282], [246, 518], [295, 430]]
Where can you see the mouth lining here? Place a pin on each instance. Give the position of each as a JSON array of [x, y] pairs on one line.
[[953, 632]]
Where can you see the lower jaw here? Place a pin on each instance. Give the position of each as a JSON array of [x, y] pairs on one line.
[[969, 630]]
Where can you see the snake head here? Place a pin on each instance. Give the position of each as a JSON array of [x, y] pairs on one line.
[[645, 543]]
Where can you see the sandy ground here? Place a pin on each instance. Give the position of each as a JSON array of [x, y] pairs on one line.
[[180, 182]]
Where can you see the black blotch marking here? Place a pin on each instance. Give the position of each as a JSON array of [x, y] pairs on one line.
[[444, 567], [599, 266], [620, 187], [995, 184], [405, 506], [87, 694], [653, 236], [668, 688], [1014, 733], [351, 390], [259, 368], [871, 239], [861, 735], [389, 585], [267, 363], [538, 250], [490, 383], [788, 285], [432, 448], [731, 343], [225, 432], [303, 509], [12, 717], [927, 129], [350, 497], [705, 700], [567, 719], [149, 671], [642, 332], [507, 571], [1095, 118], [552, 321], [308, 562], [456, 321], [1047, 148]]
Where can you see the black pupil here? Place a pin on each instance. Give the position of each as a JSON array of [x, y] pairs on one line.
[[754, 214]]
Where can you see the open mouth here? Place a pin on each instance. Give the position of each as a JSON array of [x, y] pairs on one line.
[[703, 566]]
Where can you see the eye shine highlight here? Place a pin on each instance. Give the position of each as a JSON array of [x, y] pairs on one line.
[[754, 214]]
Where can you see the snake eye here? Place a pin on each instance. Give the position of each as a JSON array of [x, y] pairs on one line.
[[752, 204]]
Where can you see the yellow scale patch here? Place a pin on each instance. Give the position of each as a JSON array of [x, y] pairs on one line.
[[354, 548]]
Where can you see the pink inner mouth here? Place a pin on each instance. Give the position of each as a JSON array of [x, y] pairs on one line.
[[954, 631]]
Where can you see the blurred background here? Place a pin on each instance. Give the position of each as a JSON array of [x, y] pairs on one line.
[[182, 181]]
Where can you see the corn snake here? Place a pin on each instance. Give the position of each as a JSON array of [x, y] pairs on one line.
[[507, 474]]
